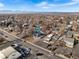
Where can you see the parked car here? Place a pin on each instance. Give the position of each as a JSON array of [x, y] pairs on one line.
[[49, 37], [21, 49]]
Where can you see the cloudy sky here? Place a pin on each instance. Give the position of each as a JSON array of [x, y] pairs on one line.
[[40, 5]]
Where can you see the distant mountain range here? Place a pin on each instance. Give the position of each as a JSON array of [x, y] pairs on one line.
[[32, 12]]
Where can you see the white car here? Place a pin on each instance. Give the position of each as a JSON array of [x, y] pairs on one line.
[[49, 37]]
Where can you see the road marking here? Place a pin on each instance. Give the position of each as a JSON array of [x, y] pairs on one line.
[[27, 41], [62, 56], [39, 47], [50, 53]]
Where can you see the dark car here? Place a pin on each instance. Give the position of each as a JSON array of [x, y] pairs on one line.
[[22, 50]]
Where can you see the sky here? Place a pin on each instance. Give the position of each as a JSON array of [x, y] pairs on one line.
[[40, 5]]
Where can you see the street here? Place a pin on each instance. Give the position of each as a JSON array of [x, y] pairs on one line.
[[16, 39]]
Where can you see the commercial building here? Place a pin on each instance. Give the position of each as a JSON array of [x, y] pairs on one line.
[[76, 36], [9, 53], [69, 42]]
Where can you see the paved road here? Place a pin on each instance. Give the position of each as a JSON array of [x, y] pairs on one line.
[[16, 39]]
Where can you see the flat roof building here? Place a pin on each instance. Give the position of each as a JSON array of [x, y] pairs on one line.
[[9, 53], [69, 42]]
